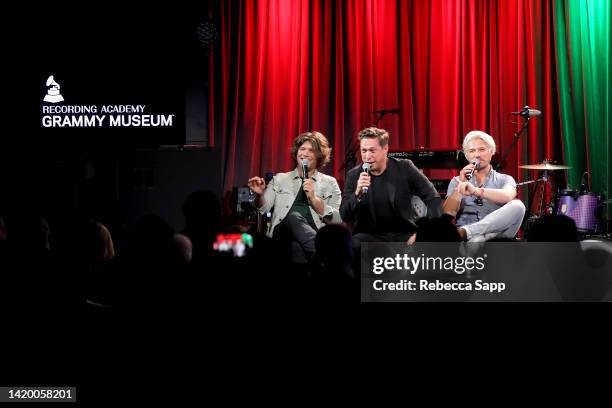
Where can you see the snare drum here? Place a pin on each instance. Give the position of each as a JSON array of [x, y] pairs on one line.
[[567, 200]]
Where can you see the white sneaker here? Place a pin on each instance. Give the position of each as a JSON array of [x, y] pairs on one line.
[[483, 238]]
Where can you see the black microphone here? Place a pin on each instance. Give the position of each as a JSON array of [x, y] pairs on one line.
[[394, 110], [471, 173], [305, 164], [527, 112], [366, 168]]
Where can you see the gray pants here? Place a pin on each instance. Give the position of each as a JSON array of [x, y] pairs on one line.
[[503, 222]]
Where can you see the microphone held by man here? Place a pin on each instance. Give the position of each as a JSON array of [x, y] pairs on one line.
[[305, 164], [470, 174], [366, 169]]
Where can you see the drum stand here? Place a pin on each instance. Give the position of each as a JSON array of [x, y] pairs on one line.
[[540, 185]]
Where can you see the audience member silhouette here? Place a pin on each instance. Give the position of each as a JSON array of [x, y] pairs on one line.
[[34, 281], [185, 246], [202, 211], [332, 274], [28, 234], [92, 259], [335, 251], [553, 228], [154, 266], [437, 230], [94, 243], [576, 273]]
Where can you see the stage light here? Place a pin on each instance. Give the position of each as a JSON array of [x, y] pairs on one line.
[[207, 33]]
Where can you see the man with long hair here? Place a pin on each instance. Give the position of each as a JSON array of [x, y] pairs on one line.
[[304, 199]]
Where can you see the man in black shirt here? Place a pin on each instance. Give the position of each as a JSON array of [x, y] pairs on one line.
[[379, 203]]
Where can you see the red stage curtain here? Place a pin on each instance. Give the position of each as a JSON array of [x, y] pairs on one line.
[[283, 67]]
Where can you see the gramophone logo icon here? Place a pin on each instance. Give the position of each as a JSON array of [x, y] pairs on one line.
[[53, 91]]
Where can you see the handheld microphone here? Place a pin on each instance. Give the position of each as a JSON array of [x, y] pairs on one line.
[[366, 168], [527, 112], [471, 173], [305, 164]]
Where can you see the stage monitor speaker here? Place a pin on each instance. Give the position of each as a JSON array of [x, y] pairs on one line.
[[242, 200], [196, 118]]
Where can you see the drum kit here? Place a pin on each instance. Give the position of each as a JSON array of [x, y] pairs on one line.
[[584, 207]]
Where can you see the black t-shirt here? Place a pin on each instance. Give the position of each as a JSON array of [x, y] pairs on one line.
[[376, 213], [302, 206]]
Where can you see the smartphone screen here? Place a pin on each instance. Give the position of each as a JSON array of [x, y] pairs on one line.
[[235, 244]]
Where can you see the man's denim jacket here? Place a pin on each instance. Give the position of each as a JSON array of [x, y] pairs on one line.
[[284, 187]]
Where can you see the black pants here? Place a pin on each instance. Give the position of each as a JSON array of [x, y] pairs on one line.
[[295, 228], [360, 237]]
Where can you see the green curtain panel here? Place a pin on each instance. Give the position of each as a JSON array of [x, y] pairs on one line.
[[582, 29]]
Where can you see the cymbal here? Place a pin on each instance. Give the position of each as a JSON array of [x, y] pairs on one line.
[[544, 166]]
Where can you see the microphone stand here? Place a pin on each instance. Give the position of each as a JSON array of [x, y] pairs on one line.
[[517, 135]]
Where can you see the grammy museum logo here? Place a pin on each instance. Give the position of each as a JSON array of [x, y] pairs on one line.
[[55, 114]]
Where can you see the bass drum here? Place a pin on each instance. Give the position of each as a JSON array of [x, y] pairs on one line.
[[584, 208], [586, 212]]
